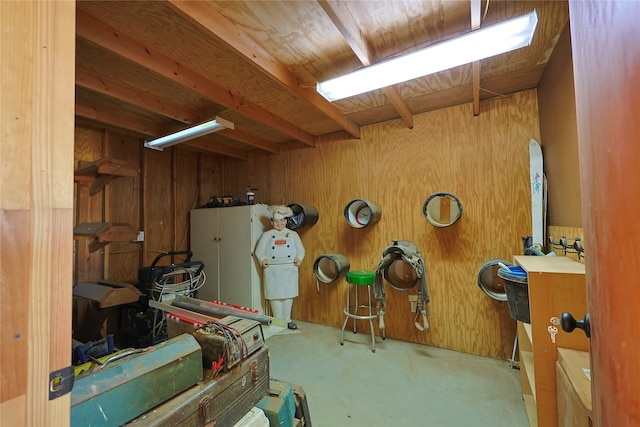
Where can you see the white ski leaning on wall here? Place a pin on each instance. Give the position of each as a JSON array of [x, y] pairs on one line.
[[537, 192]]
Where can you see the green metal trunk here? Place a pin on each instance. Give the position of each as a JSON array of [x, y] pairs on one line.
[[125, 388], [222, 401]]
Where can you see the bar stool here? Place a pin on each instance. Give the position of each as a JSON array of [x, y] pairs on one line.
[[357, 279]]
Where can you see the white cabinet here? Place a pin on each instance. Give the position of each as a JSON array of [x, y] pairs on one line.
[[224, 240]]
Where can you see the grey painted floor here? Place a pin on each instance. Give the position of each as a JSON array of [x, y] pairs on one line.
[[401, 384]]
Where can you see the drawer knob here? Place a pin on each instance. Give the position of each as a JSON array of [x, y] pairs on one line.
[[569, 323]]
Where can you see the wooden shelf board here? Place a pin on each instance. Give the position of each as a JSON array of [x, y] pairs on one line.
[[119, 233], [106, 231], [90, 229], [526, 363], [530, 406], [100, 172], [107, 296], [527, 329], [549, 264], [555, 284], [106, 166]]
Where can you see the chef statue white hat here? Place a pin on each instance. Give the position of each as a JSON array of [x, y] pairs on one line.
[[280, 211]]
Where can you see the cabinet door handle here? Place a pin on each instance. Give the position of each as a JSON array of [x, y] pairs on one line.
[[569, 323]]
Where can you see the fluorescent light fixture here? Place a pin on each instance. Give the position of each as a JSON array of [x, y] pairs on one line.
[[474, 46], [190, 133]]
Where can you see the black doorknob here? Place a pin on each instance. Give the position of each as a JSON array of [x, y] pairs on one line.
[[568, 323]]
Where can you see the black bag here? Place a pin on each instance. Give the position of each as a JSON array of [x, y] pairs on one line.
[[223, 202]]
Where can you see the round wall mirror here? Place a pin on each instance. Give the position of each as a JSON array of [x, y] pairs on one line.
[[442, 209]]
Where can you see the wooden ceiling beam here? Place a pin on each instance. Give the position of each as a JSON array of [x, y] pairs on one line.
[[96, 82], [119, 120], [150, 129], [350, 31], [99, 33], [250, 139], [352, 34], [206, 17], [475, 66], [216, 148], [398, 103]]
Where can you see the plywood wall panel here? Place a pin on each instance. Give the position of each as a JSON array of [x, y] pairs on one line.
[[559, 132], [88, 145], [483, 160], [555, 233]]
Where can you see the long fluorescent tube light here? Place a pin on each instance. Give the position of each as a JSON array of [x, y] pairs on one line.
[[190, 133], [474, 46]]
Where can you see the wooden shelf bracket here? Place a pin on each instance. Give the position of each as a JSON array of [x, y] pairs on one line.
[[101, 171], [104, 233]]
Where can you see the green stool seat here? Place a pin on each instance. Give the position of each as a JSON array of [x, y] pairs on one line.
[[360, 310], [361, 277]]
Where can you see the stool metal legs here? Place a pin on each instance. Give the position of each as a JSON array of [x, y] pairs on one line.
[[351, 312]]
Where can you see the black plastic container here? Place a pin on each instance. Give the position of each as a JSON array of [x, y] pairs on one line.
[[517, 290]]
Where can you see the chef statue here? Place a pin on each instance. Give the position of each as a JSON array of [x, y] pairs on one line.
[[280, 252]]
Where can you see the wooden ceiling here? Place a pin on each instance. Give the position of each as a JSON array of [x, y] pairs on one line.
[[148, 68]]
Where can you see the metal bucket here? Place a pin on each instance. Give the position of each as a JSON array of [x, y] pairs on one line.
[[303, 216], [517, 289], [330, 267], [361, 213]]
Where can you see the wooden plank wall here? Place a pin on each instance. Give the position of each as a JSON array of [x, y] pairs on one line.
[[36, 207], [157, 202], [483, 160], [173, 182], [89, 266]]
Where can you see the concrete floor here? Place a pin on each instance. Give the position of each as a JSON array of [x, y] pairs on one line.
[[401, 384]]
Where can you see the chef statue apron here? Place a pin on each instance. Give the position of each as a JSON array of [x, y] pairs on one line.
[[280, 252]]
